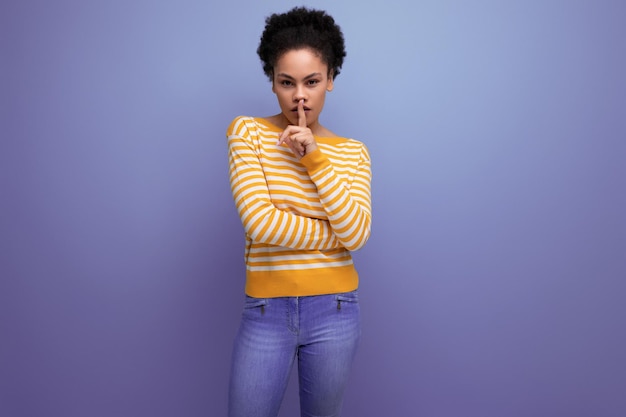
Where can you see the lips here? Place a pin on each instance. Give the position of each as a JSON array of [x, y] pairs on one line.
[[296, 109]]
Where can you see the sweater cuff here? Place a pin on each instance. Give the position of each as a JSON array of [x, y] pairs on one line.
[[314, 161]]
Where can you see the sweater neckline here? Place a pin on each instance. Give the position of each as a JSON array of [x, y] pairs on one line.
[[275, 128]]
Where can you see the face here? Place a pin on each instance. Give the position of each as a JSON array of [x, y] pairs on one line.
[[300, 74]]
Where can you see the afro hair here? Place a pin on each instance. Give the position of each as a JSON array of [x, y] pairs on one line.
[[301, 28]]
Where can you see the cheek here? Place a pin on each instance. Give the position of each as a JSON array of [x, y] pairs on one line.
[[281, 100], [283, 97]]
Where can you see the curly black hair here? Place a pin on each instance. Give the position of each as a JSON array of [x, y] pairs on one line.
[[300, 28]]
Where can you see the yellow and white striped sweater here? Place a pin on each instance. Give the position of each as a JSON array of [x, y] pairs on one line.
[[301, 217]]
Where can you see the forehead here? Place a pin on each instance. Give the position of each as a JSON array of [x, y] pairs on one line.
[[300, 61]]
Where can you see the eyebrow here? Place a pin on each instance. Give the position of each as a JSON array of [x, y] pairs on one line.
[[315, 74]]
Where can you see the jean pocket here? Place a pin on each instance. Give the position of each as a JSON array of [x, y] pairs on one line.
[[252, 302], [347, 298], [350, 297]]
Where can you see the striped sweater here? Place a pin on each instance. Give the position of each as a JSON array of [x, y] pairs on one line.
[[301, 217]]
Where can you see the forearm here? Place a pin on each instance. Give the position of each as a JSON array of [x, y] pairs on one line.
[[263, 222], [348, 210]]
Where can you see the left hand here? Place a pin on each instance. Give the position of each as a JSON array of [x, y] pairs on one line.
[[299, 138]]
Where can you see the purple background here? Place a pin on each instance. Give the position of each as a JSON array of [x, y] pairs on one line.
[[494, 281]]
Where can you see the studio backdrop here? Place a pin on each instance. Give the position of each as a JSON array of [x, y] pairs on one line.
[[492, 285]]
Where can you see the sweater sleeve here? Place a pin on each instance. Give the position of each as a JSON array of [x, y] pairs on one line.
[[262, 221], [348, 207]]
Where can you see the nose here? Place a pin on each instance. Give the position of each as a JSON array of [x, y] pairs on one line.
[[299, 94]]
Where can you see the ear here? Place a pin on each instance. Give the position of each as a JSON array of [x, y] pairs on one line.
[[273, 83], [331, 77]]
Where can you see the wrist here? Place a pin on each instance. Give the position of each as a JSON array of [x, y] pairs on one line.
[[314, 161], [311, 147]]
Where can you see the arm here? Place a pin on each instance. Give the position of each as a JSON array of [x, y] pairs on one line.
[[348, 209], [262, 221]]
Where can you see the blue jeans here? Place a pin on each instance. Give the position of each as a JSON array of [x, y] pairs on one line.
[[321, 331]]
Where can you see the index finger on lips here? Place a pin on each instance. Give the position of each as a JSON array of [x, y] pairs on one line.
[[301, 114]]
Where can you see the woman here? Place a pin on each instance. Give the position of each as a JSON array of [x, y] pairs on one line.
[[303, 195]]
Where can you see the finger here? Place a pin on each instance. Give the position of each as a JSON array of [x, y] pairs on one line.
[[299, 146], [301, 114], [295, 148], [283, 136]]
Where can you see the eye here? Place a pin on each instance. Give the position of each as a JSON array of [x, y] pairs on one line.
[[285, 83], [313, 82]]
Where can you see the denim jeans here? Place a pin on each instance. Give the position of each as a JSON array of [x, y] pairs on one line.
[[322, 332]]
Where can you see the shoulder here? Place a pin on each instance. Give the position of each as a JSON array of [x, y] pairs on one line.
[[365, 153], [240, 126], [351, 144], [356, 147]]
